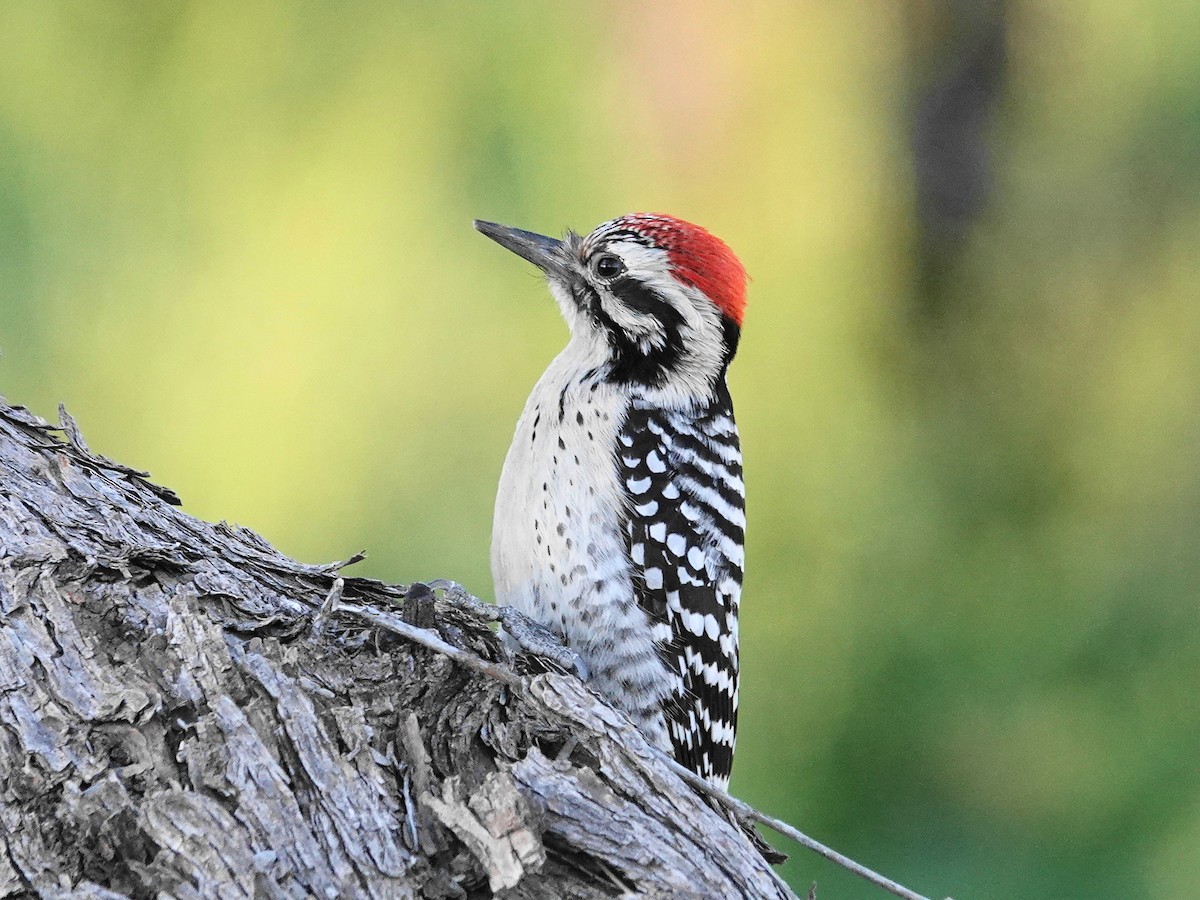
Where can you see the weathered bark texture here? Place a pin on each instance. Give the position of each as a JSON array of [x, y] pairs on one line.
[[175, 722]]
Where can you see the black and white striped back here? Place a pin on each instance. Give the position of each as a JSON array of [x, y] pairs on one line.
[[682, 471]]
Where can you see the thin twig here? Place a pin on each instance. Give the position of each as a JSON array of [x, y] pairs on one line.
[[427, 638], [746, 811], [344, 563], [321, 618]]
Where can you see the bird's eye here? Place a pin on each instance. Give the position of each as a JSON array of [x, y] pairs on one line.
[[608, 266]]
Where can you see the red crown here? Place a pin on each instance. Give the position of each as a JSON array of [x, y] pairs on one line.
[[697, 257]]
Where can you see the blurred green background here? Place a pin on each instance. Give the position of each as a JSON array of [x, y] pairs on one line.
[[235, 240]]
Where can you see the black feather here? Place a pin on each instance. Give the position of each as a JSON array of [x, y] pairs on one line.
[[690, 449]]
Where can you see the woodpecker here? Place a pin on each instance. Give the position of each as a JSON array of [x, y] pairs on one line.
[[620, 517]]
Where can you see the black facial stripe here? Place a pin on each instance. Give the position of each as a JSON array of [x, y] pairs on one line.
[[625, 234], [587, 300], [641, 298], [731, 333], [630, 364]]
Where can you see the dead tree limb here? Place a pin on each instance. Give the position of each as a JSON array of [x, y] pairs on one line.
[[186, 712]]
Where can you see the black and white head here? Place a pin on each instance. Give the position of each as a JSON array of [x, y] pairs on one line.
[[660, 301]]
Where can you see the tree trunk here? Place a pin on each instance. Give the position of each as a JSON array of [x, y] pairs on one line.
[[184, 712]]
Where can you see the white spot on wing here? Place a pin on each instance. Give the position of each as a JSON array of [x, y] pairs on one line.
[[638, 485], [728, 644]]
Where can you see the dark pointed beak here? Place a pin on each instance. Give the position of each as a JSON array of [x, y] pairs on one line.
[[544, 252]]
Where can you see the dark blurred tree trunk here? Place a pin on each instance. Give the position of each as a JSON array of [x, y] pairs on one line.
[[953, 129], [175, 722]]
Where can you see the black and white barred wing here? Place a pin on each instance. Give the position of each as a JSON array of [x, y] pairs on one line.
[[686, 527]]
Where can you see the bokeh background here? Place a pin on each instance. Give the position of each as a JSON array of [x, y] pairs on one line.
[[235, 240]]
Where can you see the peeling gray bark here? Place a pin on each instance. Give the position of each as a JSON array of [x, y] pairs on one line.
[[177, 721]]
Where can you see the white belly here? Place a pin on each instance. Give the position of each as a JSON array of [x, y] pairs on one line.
[[558, 545]]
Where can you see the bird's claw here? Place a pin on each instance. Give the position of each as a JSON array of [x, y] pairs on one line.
[[524, 633], [538, 640], [464, 599]]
